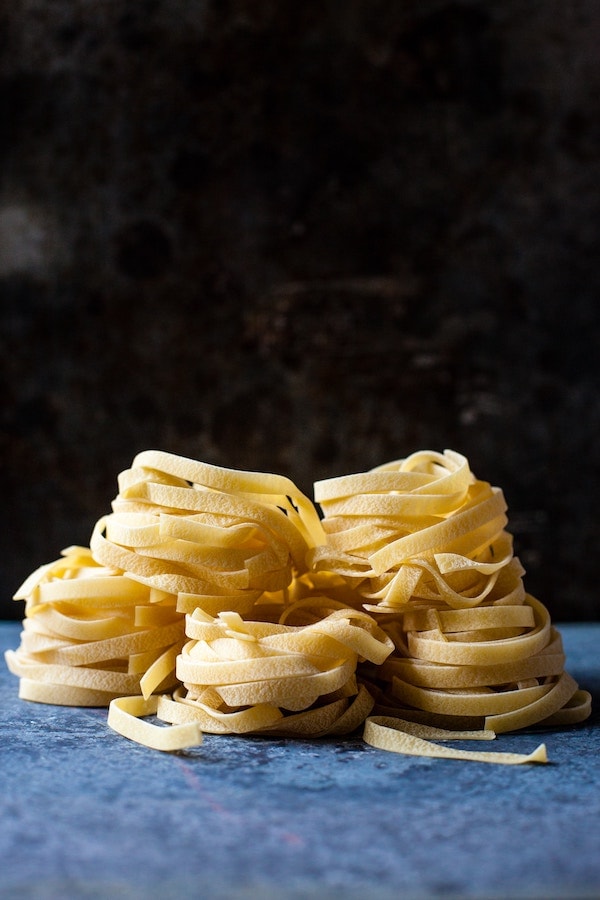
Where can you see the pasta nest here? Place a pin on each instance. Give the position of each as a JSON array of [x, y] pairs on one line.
[[91, 633], [424, 543], [257, 676], [215, 538]]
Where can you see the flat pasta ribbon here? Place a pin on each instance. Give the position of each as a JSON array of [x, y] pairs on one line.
[[400, 736]]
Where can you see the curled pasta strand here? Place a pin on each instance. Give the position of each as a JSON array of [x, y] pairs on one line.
[[125, 715]]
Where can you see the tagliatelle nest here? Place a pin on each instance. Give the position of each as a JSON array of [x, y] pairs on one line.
[[220, 601]]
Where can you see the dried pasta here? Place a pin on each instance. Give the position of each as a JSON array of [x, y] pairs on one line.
[[85, 631], [266, 669], [425, 545], [214, 538], [227, 602]]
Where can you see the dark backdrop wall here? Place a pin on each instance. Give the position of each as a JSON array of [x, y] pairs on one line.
[[305, 238]]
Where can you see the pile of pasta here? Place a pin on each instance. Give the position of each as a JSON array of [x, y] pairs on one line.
[[425, 545], [220, 601], [199, 576]]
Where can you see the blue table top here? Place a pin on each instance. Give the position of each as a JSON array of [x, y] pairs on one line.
[[89, 814]]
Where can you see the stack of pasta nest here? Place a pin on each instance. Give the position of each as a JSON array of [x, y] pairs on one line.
[[425, 545], [199, 574], [222, 601]]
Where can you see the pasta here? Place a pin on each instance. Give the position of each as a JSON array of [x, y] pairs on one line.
[[244, 676], [214, 538], [91, 634], [226, 602], [425, 545]]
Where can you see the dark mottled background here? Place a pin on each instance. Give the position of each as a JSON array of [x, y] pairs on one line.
[[305, 238]]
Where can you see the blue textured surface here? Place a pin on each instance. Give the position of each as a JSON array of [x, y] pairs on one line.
[[88, 814]]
